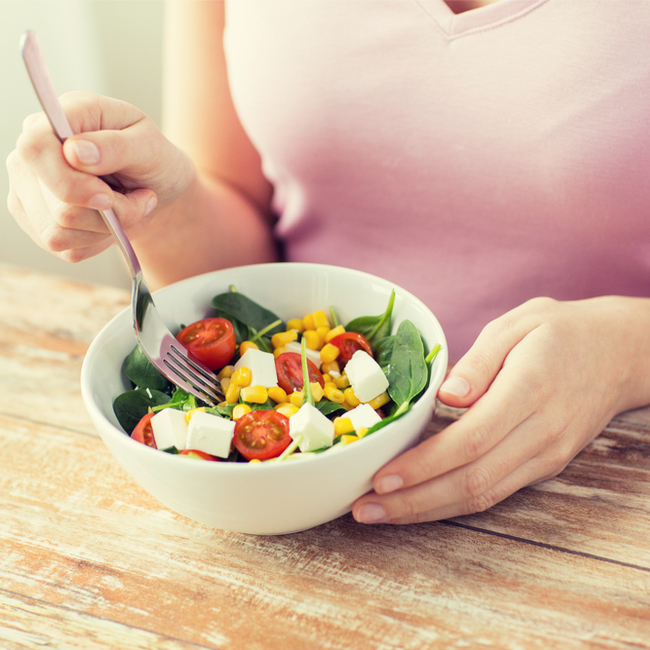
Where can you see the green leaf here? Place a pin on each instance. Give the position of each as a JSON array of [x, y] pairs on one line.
[[327, 407], [132, 406], [407, 372], [384, 352], [143, 373], [374, 328], [246, 311]]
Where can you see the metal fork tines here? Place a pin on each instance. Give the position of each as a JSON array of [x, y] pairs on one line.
[[156, 341]]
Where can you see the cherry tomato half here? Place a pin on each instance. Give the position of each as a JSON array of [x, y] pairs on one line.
[[211, 341], [288, 366], [143, 431], [197, 453], [262, 434], [348, 343]]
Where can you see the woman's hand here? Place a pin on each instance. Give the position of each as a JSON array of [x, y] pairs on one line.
[[541, 382], [55, 190]]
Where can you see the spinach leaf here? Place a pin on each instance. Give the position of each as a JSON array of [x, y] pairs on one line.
[[246, 312], [408, 373], [326, 407], [223, 411], [384, 351], [143, 373], [132, 406], [181, 400], [374, 328]]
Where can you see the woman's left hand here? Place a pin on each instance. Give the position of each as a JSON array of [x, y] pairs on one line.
[[541, 382]]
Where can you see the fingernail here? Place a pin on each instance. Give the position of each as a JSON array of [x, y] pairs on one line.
[[371, 513], [87, 152], [100, 202], [455, 385], [388, 484], [151, 204]]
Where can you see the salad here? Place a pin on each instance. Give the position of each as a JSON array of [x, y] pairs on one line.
[[289, 389]]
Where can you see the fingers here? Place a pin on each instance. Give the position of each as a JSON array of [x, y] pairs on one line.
[[475, 487], [473, 374]]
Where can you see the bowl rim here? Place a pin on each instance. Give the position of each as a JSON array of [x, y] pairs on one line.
[[97, 414]]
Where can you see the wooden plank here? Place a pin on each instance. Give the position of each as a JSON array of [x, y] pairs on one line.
[[77, 534], [46, 325], [28, 623]]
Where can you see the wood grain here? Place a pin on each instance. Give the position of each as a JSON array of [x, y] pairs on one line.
[[89, 560]]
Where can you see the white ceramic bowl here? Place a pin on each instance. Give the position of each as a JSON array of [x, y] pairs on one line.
[[262, 498]]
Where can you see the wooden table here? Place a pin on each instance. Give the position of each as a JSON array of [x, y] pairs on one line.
[[88, 560]]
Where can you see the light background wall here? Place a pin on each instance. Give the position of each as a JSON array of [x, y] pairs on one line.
[[113, 47]]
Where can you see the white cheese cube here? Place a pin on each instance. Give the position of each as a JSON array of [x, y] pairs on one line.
[[169, 428], [312, 355], [210, 433], [316, 430], [262, 367], [363, 416], [366, 376]]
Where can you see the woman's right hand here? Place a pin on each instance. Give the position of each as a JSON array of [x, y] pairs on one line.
[[55, 190]]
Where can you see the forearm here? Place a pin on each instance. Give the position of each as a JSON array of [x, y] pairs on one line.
[[210, 226]]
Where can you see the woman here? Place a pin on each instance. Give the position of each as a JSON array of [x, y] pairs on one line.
[[480, 154]]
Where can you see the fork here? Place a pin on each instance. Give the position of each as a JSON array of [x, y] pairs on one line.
[[158, 344]]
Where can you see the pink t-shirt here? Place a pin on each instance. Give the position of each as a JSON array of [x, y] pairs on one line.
[[477, 160]]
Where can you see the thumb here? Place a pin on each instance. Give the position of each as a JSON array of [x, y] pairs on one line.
[[470, 378]]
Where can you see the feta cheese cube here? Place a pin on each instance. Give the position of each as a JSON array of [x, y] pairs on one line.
[[363, 416], [262, 367], [210, 433], [312, 355], [169, 428], [366, 376], [316, 430]]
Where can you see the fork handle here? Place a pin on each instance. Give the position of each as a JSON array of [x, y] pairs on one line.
[[42, 82]]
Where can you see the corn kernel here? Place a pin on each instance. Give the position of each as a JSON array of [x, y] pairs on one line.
[[312, 339], [328, 353], [242, 377], [247, 345], [226, 371], [295, 324], [296, 398], [277, 394], [320, 319], [280, 339], [333, 393], [225, 382], [342, 381], [327, 377], [335, 331], [342, 425], [347, 439], [350, 397], [278, 351], [287, 410], [239, 410], [322, 332], [254, 394], [331, 368], [362, 431], [254, 460], [232, 394], [380, 400], [308, 322], [316, 390], [191, 412]]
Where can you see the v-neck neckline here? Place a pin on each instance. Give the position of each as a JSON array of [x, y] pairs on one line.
[[490, 15]]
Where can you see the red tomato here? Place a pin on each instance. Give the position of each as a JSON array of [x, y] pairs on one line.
[[348, 343], [211, 341], [262, 434], [197, 453], [288, 365], [143, 431]]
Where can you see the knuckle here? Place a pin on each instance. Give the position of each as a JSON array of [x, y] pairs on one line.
[[53, 239], [481, 502], [477, 441], [14, 204], [477, 481], [65, 214], [29, 146]]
